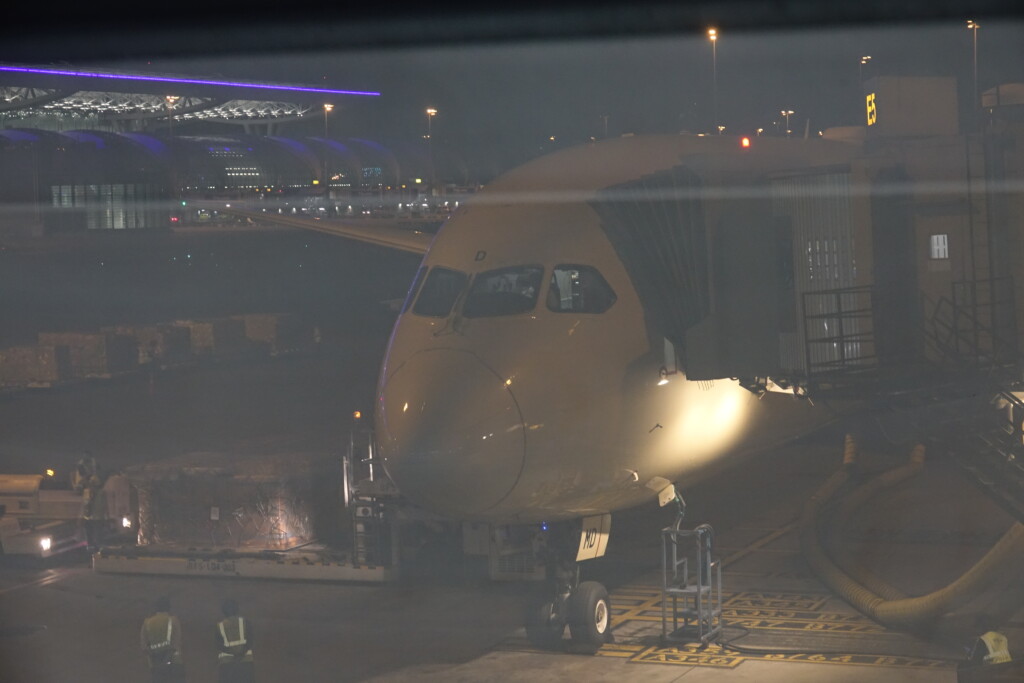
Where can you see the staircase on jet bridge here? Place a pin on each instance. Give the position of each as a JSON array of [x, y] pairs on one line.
[[981, 427], [963, 393]]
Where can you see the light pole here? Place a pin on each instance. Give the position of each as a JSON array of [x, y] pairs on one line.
[[171, 99], [787, 113], [713, 37], [431, 113], [327, 109], [973, 26], [327, 183], [860, 69]]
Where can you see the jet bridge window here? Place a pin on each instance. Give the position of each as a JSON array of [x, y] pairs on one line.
[[507, 291], [440, 291], [578, 289]]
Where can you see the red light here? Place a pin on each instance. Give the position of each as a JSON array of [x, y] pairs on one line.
[[174, 219], [745, 142]]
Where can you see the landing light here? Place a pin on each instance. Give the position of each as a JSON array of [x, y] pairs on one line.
[[45, 543], [49, 472], [126, 522]]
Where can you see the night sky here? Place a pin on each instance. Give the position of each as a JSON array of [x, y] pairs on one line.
[[500, 104]]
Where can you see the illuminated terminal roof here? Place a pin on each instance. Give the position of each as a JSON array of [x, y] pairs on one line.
[[40, 93], [21, 102], [177, 80]]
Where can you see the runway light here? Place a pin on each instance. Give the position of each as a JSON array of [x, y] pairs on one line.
[[45, 543], [357, 415], [745, 142]]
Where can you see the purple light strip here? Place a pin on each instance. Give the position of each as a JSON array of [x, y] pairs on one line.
[[191, 81]]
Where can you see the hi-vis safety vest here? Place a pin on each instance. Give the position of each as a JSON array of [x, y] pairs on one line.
[[159, 629], [998, 651], [232, 632]]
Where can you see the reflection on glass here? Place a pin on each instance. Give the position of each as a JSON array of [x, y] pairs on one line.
[[578, 289], [507, 291], [440, 291], [414, 288]]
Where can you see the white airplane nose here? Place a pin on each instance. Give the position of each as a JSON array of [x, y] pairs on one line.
[[450, 432]]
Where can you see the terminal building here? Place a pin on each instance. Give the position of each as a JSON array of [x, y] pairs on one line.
[[74, 158], [921, 212]]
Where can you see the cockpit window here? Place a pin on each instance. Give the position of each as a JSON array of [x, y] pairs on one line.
[[507, 291], [440, 291], [414, 289], [578, 289]]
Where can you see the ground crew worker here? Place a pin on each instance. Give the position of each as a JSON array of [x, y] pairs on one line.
[[85, 469], [234, 642], [94, 512], [161, 643], [991, 646]]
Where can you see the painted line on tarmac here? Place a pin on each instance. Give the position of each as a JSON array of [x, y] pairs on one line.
[[756, 545], [54, 576]]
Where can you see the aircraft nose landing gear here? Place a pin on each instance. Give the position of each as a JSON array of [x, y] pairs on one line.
[[583, 606], [590, 616]]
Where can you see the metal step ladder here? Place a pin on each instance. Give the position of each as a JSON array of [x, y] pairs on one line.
[[366, 490], [692, 581]]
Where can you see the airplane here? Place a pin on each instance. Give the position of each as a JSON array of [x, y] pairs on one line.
[[528, 378]]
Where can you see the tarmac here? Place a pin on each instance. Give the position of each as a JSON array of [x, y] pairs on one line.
[[64, 622]]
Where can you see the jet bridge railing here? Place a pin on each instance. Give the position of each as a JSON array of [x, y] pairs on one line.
[[975, 325], [838, 331], [692, 581]]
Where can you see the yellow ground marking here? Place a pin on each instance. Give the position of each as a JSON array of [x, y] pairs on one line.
[[716, 656], [774, 600]]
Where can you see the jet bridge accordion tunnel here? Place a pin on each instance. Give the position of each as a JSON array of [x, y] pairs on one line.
[[711, 293]]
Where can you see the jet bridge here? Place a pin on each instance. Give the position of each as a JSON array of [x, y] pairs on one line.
[[700, 271]]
